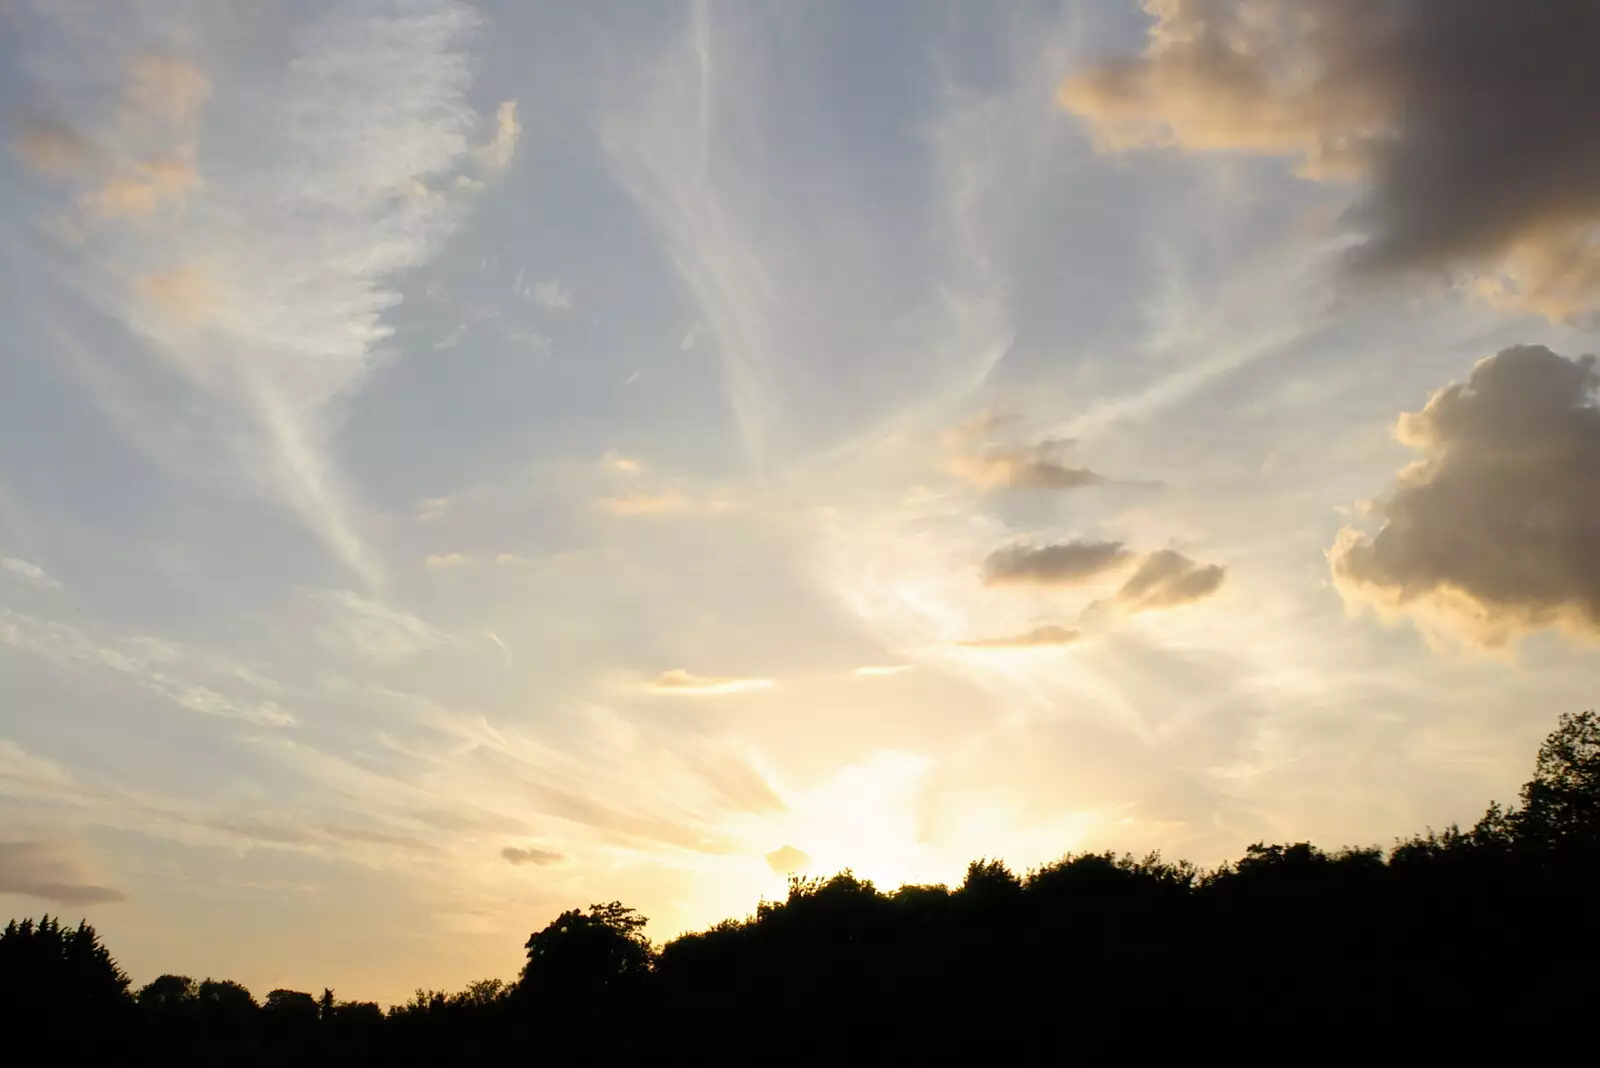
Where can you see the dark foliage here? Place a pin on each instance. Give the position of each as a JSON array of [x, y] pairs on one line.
[[1450, 943]]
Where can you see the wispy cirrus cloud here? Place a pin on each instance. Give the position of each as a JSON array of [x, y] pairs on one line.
[[679, 681], [259, 269]]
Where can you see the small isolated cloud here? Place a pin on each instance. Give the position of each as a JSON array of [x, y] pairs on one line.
[[873, 671], [502, 147], [433, 508], [1391, 96], [51, 147], [1038, 637], [669, 503], [1493, 533], [444, 561], [1053, 565], [48, 872], [988, 465], [679, 681], [624, 464], [27, 572], [786, 860], [551, 294], [509, 559], [540, 857], [1166, 579]]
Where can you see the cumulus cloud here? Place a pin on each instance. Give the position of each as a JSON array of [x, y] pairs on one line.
[[47, 872], [1493, 532], [786, 860], [680, 681], [1066, 564], [1165, 579], [1468, 121], [27, 572], [1038, 637], [551, 294], [541, 857]]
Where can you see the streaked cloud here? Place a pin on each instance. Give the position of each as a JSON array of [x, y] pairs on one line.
[[1167, 578], [875, 671], [680, 681], [519, 856], [1492, 533], [1390, 101], [1066, 564], [1038, 637], [47, 872]]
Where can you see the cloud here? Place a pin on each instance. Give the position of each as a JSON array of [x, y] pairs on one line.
[[551, 294], [1053, 565], [1469, 122], [27, 572], [187, 678], [353, 623], [1038, 637], [1167, 578], [680, 681], [873, 671], [498, 153], [45, 871], [205, 256], [786, 860], [441, 561], [542, 857], [1493, 532], [51, 147], [991, 466]]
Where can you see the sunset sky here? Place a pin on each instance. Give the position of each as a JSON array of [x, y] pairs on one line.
[[461, 461]]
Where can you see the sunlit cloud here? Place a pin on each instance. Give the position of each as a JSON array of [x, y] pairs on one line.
[[1491, 534], [1384, 102], [519, 856], [445, 561], [786, 860], [1038, 637], [48, 872], [876, 671], [679, 681], [500, 150], [1166, 579]]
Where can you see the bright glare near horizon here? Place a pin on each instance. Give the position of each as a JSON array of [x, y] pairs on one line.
[[461, 461]]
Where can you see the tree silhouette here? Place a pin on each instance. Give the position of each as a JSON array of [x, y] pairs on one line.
[[1446, 944]]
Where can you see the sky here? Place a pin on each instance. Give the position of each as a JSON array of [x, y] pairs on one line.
[[461, 461]]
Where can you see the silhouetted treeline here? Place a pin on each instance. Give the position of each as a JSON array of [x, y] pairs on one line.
[[1449, 942]]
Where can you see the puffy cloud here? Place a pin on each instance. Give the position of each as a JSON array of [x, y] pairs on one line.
[[1053, 565], [542, 857], [442, 561], [27, 572], [1038, 637], [1167, 578], [680, 681], [1493, 532], [786, 860], [551, 294], [1469, 121], [45, 871]]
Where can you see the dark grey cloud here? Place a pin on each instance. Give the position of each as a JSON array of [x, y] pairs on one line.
[[1165, 579], [1496, 530], [48, 872], [530, 855], [1470, 122], [1033, 639], [1053, 565]]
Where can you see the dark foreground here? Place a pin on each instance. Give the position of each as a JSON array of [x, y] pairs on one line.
[[1479, 942]]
